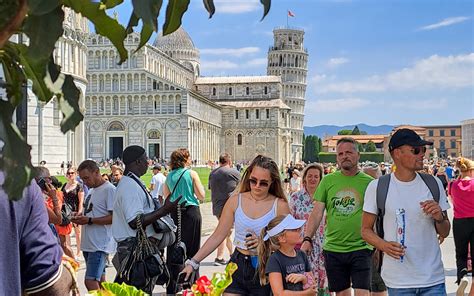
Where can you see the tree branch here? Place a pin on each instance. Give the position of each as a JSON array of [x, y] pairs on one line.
[[15, 23]]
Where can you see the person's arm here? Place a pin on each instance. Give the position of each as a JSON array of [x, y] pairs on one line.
[[198, 188], [217, 237], [282, 207], [393, 249], [82, 220], [276, 283], [80, 197], [313, 223], [151, 217], [54, 215]]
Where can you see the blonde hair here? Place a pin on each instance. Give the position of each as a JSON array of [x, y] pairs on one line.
[[265, 248], [464, 164]]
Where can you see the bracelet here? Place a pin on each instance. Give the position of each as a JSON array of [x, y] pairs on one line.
[[193, 263], [308, 239]]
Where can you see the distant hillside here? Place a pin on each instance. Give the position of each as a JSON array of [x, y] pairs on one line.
[[330, 130]]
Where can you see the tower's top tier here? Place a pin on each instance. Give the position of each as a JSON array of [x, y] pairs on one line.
[[288, 39]]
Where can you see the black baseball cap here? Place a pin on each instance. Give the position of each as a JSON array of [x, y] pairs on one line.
[[405, 136]]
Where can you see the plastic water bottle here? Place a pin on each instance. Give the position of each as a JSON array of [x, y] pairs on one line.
[[253, 254]]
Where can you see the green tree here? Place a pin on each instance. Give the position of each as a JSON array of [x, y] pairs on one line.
[[304, 140], [344, 132], [370, 147], [355, 131], [320, 146], [42, 22], [311, 149]]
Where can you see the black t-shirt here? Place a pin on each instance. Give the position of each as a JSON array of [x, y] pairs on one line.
[[222, 182], [278, 262]]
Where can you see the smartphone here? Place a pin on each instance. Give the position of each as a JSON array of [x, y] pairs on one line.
[[182, 282], [42, 184]]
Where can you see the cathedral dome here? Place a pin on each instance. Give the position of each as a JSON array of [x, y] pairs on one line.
[[178, 40]]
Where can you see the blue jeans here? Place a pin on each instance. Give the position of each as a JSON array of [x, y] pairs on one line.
[[437, 290], [95, 265]]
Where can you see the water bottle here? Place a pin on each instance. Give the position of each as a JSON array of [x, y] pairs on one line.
[[253, 254]]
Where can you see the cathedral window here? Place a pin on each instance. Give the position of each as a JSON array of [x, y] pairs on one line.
[[257, 114], [213, 91], [239, 139], [265, 90], [236, 114], [230, 91], [155, 86], [268, 113], [247, 90], [247, 114]]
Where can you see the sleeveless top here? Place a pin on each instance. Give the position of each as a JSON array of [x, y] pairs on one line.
[[72, 197], [244, 224], [184, 188]]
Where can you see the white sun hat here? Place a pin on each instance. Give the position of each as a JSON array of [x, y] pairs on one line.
[[288, 223]]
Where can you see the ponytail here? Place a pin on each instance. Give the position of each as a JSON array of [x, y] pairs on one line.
[[265, 248], [264, 252]]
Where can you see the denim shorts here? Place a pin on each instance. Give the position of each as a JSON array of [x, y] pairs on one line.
[[95, 265], [436, 290], [245, 280]]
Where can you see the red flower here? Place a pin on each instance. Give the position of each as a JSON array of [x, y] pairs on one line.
[[203, 285]]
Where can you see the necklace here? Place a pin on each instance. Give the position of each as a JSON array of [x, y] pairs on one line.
[[257, 200]]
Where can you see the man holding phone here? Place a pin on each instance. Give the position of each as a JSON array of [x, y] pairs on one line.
[[97, 241]]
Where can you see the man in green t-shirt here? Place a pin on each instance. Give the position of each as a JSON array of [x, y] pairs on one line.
[[347, 256]]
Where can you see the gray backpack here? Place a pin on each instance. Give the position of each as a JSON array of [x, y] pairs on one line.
[[382, 191]]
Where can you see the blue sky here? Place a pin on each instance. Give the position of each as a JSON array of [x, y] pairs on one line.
[[377, 62]]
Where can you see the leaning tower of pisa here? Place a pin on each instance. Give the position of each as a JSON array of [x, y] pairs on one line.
[[289, 59]]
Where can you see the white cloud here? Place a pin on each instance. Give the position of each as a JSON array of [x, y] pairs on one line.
[[444, 23], [335, 105], [257, 62], [218, 65], [420, 105], [318, 78], [435, 72], [335, 62], [236, 52], [236, 6]]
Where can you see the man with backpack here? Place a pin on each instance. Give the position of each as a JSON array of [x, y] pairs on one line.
[[410, 211]]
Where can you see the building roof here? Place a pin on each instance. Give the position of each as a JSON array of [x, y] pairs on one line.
[[178, 40], [255, 104], [237, 79], [362, 139]]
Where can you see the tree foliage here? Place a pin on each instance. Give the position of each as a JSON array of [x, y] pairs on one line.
[[311, 149], [42, 22], [344, 132], [370, 147]]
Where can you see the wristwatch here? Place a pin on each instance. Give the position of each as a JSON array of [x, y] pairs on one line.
[[193, 263], [89, 222]]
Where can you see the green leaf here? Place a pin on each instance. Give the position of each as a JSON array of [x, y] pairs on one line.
[[69, 100], [112, 3], [14, 75], [40, 7], [132, 22], [266, 7], [35, 71], [15, 160], [209, 5], [8, 11], [104, 25], [145, 34], [174, 12], [42, 42], [122, 289], [148, 11]]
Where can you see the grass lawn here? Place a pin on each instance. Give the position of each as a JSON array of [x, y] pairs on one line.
[[202, 172]]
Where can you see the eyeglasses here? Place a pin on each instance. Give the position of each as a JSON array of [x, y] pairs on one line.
[[417, 150], [262, 183], [70, 173]]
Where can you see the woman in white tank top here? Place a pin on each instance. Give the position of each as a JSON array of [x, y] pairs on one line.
[[259, 199]]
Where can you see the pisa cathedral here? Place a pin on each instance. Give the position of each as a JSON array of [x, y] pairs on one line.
[[158, 99]]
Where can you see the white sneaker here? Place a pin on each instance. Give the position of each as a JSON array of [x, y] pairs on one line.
[[462, 287]]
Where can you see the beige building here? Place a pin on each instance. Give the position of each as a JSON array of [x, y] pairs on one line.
[[157, 99], [330, 143]]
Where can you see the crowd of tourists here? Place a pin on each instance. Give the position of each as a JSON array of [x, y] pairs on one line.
[[348, 228]]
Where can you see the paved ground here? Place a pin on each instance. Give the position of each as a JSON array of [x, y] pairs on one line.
[[207, 267]]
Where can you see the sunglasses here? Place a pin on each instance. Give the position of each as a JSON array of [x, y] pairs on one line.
[[70, 173], [262, 183], [418, 150]]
